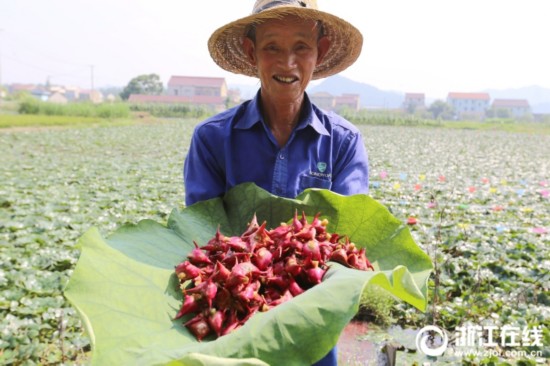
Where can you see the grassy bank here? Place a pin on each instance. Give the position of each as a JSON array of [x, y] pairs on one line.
[[80, 109], [32, 120], [506, 126]]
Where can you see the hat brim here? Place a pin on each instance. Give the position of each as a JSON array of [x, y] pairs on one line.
[[226, 43]]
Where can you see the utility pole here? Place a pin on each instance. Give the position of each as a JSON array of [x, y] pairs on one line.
[[1, 30], [92, 75], [92, 81]]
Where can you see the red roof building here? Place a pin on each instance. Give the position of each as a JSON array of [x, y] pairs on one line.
[[346, 101], [469, 105], [414, 100], [330, 102], [197, 85], [323, 100], [511, 108], [208, 92]]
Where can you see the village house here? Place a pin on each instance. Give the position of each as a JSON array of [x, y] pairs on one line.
[[323, 100], [57, 93], [469, 105], [210, 92], [190, 86], [21, 88], [94, 96], [346, 101], [329, 102], [414, 101], [511, 108], [57, 98]]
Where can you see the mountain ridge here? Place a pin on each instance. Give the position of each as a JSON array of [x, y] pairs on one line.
[[373, 97]]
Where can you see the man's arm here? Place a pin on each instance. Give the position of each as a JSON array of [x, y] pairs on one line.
[[202, 174], [351, 173]]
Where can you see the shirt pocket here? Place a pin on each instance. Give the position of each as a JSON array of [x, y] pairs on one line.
[[307, 181]]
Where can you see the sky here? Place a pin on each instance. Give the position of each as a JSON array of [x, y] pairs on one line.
[[423, 46]]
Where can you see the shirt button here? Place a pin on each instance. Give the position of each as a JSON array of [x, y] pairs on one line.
[[281, 156]]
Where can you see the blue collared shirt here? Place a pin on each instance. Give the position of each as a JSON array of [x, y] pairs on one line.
[[236, 146]]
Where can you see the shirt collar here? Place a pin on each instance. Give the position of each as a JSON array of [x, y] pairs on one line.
[[252, 115]]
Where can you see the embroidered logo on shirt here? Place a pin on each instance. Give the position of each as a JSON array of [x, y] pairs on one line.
[[322, 166]]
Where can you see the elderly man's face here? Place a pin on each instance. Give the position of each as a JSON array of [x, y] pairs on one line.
[[286, 52]]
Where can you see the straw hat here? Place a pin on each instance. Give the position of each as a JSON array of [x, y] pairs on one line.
[[225, 44]]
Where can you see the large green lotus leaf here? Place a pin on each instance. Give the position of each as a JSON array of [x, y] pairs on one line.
[[126, 293]]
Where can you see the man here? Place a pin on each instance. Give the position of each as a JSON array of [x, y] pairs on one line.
[[279, 140]]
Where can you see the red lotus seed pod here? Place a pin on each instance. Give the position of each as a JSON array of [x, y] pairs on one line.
[[190, 305], [252, 226], [303, 220], [262, 258], [311, 250], [315, 274], [217, 243], [292, 266], [280, 231], [307, 233], [235, 277], [318, 224], [185, 270], [278, 281], [232, 322], [237, 244], [287, 295], [221, 273], [294, 288], [210, 290], [340, 256], [198, 257], [198, 326], [223, 299], [297, 225], [215, 320], [241, 273]]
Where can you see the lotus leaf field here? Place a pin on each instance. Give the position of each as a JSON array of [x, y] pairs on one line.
[[478, 202]]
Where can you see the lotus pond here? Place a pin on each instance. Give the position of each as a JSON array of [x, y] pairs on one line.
[[477, 202]]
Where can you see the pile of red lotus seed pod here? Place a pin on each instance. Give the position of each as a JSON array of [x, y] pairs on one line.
[[229, 279]]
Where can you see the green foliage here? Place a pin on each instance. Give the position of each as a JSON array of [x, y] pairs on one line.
[[173, 110], [365, 117], [29, 106], [58, 183], [83, 109], [149, 84], [441, 110], [376, 306], [34, 120], [142, 258]]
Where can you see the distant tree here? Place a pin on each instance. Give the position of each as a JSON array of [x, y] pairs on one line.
[[411, 108], [503, 113], [440, 109], [149, 84]]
